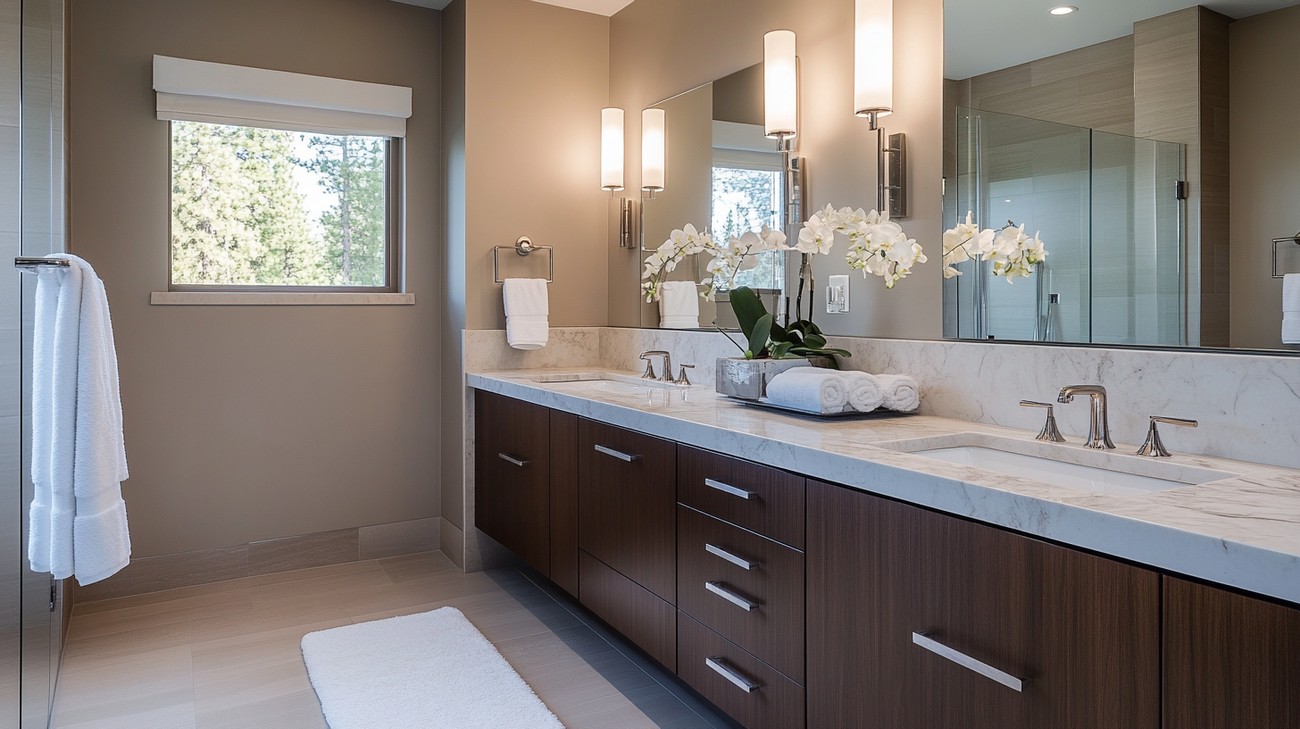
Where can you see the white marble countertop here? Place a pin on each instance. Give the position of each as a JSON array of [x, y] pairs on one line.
[[1242, 531]]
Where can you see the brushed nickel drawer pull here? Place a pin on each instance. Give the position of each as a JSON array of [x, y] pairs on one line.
[[620, 455], [966, 661], [740, 562], [512, 460], [717, 589], [732, 675], [727, 488]]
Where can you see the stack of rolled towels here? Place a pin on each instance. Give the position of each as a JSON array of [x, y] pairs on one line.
[[827, 391]]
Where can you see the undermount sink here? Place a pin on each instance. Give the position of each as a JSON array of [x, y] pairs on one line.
[[613, 382], [1070, 467]]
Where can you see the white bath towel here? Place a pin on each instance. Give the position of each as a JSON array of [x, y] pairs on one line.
[[527, 308], [865, 392], [1291, 293], [679, 305], [901, 392], [1291, 327], [79, 524], [814, 389]]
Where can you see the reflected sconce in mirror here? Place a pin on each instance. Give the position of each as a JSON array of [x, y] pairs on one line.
[[611, 171], [653, 154], [873, 98], [781, 115]]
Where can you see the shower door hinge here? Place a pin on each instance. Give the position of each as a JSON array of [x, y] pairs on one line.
[[1180, 190]]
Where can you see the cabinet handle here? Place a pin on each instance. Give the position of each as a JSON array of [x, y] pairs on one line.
[[620, 455], [717, 589], [966, 661], [727, 488], [740, 562], [732, 675], [512, 460]]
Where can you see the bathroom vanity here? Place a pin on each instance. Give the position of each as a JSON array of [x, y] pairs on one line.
[[823, 574]]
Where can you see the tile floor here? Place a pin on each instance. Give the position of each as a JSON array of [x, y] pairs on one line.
[[227, 654]]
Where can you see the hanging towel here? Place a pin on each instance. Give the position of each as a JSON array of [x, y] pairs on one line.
[[527, 308], [1291, 327], [901, 392], [813, 389], [1291, 293], [78, 518], [865, 392], [679, 305]]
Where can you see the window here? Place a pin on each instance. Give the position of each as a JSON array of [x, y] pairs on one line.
[[281, 180], [745, 198], [253, 206]]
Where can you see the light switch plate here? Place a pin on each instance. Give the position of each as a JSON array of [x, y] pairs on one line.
[[837, 294]]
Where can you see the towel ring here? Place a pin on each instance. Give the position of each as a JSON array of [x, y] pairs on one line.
[[523, 247], [1293, 239]]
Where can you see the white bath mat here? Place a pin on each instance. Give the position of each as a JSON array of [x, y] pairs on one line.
[[419, 671]]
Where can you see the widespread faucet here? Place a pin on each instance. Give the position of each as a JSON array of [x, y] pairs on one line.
[[650, 368], [1098, 425]]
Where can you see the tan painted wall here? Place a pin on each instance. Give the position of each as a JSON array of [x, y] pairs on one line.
[[245, 423], [1265, 170], [725, 36]]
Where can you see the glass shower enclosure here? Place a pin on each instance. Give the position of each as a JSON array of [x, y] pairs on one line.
[[1108, 209]]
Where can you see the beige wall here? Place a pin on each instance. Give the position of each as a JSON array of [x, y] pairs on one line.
[[245, 423], [524, 84], [1265, 170], [645, 67]]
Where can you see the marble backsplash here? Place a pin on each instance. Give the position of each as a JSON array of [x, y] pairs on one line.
[[1248, 405]]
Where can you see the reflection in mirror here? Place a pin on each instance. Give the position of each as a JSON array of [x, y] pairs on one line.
[[722, 174], [1109, 131]]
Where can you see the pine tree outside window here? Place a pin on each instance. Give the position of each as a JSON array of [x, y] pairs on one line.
[[256, 208]]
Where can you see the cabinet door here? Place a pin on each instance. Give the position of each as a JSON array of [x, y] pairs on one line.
[[512, 476], [626, 501], [564, 501], [886, 580], [1231, 661]]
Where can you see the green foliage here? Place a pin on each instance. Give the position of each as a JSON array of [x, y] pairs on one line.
[[241, 218], [766, 338]]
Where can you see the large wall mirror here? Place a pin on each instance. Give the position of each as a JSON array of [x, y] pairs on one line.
[[1153, 146], [723, 174]]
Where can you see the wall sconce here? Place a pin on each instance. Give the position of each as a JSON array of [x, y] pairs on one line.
[[653, 135], [873, 98], [611, 171], [781, 115]]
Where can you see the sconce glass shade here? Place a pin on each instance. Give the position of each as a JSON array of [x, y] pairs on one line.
[[873, 58], [780, 90], [652, 150], [611, 148]]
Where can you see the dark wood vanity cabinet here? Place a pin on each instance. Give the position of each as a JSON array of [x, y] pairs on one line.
[[1080, 633], [627, 534], [1230, 661], [512, 476]]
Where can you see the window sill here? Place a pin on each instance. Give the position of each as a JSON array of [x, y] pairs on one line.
[[271, 298]]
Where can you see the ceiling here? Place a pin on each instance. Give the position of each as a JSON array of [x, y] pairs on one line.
[[599, 7], [987, 35]]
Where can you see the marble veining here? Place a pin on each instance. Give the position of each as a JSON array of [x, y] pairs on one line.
[[1242, 531]]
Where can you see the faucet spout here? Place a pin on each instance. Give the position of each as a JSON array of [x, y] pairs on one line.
[[1098, 423]]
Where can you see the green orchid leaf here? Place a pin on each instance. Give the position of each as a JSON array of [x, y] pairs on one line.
[[749, 310], [758, 334], [781, 350]]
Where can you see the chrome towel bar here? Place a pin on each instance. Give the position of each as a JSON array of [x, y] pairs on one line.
[[28, 264], [1293, 239]]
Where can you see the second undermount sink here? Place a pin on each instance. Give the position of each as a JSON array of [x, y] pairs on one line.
[[1067, 466], [606, 381]]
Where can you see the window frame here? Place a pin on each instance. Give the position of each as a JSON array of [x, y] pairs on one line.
[[394, 230]]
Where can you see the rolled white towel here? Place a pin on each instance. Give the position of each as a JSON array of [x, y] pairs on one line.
[[901, 392], [865, 392], [1290, 328], [814, 389]]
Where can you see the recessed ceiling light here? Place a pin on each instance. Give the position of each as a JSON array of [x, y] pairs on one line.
[[1063, 10]]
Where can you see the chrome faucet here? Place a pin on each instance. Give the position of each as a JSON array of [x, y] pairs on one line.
[[1098, 425], [650, 368]]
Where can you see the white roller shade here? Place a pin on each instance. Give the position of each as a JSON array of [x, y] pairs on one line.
[[224, 94]]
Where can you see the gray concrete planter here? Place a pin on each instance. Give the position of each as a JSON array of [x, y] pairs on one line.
[[748, 378]]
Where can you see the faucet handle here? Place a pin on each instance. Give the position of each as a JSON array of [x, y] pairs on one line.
[[649, 368], [1049, 432], [1153, 446], [681, 374]]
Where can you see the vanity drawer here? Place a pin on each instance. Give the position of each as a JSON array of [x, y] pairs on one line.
[[750, 691], [760, 609], [626, 504], [759, 498], [630, 609]]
